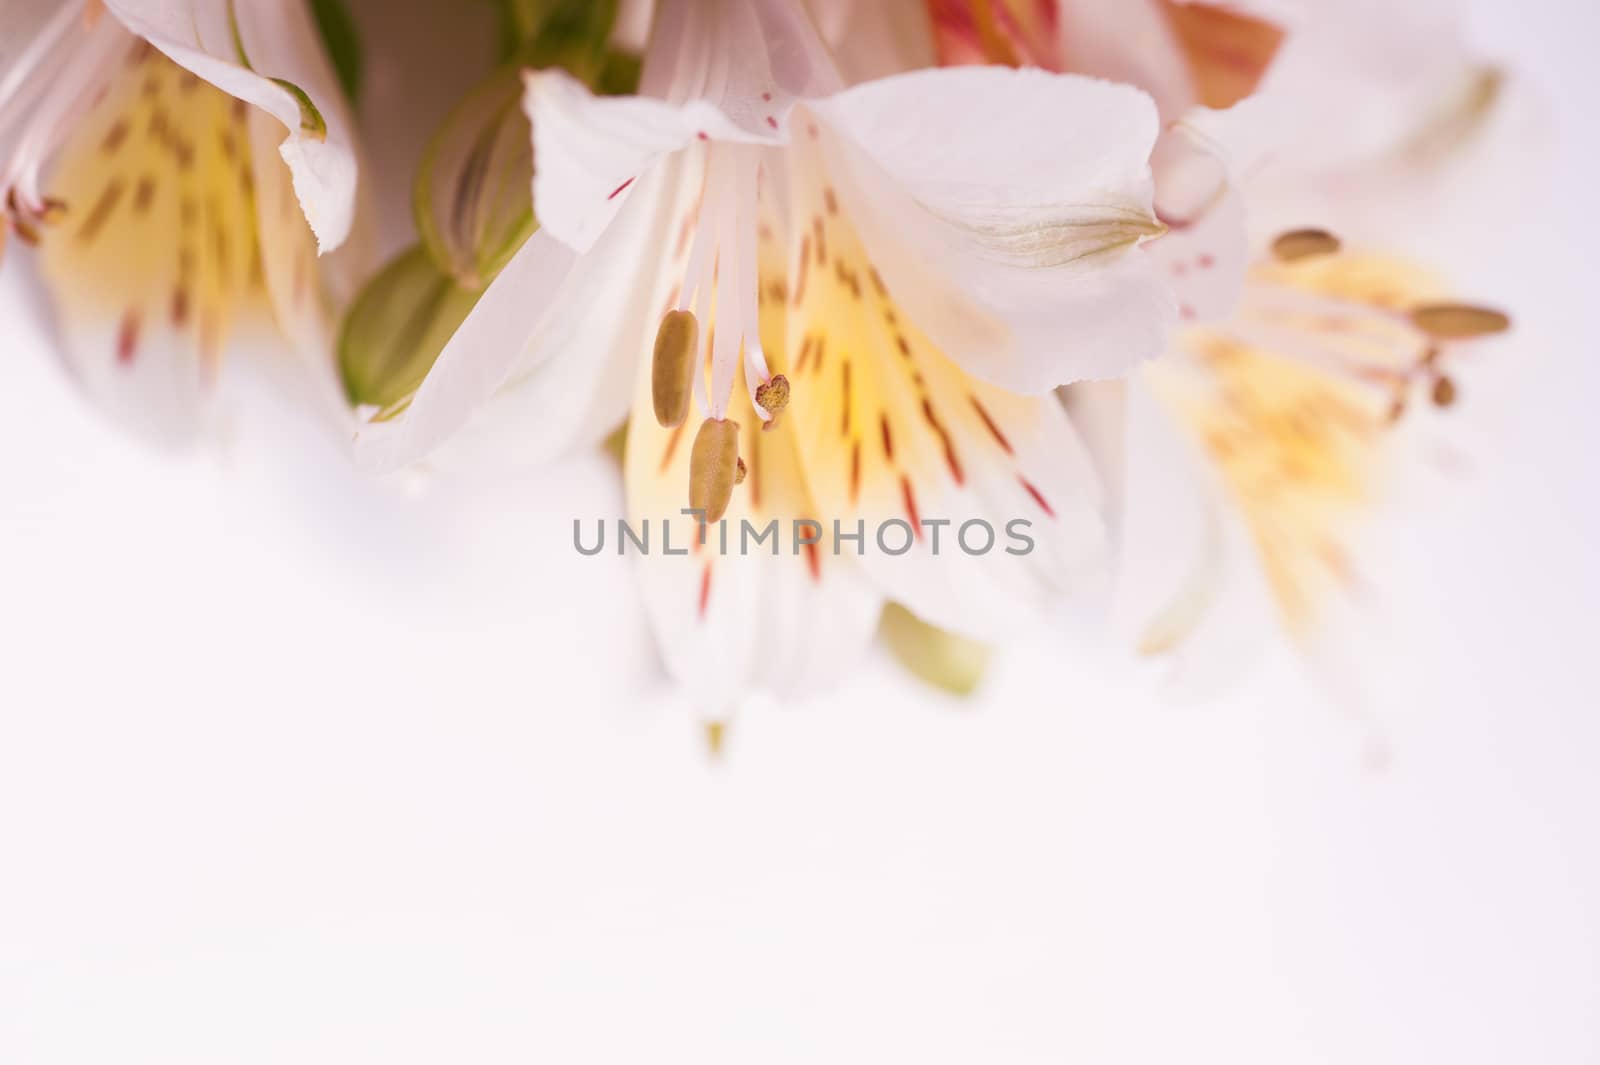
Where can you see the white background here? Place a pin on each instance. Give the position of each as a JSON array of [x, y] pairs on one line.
[[299, 768]]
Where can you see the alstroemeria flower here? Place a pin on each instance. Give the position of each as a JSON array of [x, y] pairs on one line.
[[1264, 439], [1272, 435], [179, 164], [915, 258], [1267, 431]]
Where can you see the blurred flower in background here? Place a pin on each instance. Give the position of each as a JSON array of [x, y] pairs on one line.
[[178, 165], [1265, 436]]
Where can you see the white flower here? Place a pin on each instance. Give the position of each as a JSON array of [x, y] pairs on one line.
[[1247, 459], [179, 163], [1242, 462], [919, 257]]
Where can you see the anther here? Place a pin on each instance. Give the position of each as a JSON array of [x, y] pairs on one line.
[[1458, 321], [672, 371], [1298, 244], [740, 472], [713, 465], [1444, 391]]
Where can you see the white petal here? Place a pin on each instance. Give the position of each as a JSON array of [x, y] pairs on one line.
[[147, 308], [545, 362], [1128, 41], [1206, 248], [713, 71], [877, 39], [1357, 77], [746, 619], [268, 54], [485, 350], [294, 280], [1004, 209], [592, 150], [947, 477], [732, 52], [1189, 590]]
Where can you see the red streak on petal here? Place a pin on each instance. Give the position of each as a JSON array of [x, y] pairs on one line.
[[620, 189], [911, 506], [705, 589], [1037, 497], [994, 430], [814, 562], [672, 445], [128, 338], [855, 471]]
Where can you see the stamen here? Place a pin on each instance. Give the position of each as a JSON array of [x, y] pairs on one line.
[[1458, 321], [54, 79], [740, 472], [1444, 392], [721, 278], [1298, 244], [713, 466], [672, 372]]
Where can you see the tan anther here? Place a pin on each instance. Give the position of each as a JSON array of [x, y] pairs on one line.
[[1458, 321], [1298, 244], [713, 465], [672, 371], [1444, 392]]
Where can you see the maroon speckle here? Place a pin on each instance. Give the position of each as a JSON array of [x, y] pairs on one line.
[[1038, 497], [128, 339], [618, 191]]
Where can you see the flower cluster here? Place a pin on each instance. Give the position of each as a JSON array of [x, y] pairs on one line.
[[1081, 268]]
